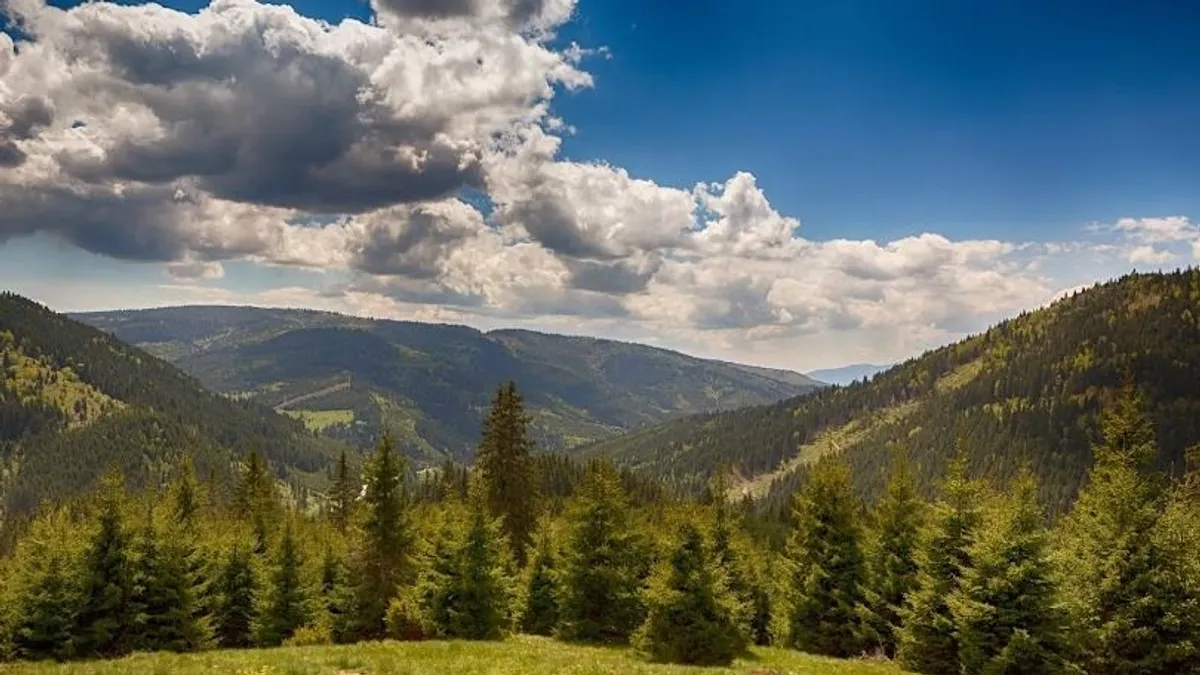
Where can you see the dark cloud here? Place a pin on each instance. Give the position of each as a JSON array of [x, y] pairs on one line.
[[549, 222], [413, 249], [10, 154], [24, 117], [619, 278]]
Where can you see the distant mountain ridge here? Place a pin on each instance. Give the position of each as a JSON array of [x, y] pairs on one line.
[[846, 374], [352, 377], [1025, 393]]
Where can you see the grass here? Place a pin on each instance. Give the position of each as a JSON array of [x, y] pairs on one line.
[[519, 655], [316, 420]]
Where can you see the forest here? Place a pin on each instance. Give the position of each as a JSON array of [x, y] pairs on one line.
[[976, 579]]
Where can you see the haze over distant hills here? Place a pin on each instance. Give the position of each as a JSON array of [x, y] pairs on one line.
[[429, 384], [848, 373]]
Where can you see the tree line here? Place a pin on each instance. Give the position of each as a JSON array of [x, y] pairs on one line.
[[975, 581]]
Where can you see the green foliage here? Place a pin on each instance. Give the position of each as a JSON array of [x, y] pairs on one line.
[[600, 583], [893, 556], [166, 616], [749, 599], [928, 639], [383, 561], [540, 614], [1005, 607], [287, 600], [691, 617], [343, 495], [46, 613], [107, 622], [236, 611], [1126, 588], [503, 462], [828, 569]]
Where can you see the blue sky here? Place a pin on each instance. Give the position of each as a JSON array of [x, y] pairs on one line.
[[989, 126]]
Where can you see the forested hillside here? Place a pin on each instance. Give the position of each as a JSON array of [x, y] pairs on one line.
[[1026, 391], [351, 378], [74, 401]]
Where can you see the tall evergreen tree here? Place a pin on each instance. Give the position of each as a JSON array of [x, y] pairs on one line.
[[928, 640], [336, 596], [257, 498], [287, 602], [1126, 591], [690, 613], [163, 596], [383, 558], [1005, 606], [600, 584], [185, 496], [236, 612], [107, 621], [46, 614], [829, 572], [893, 559], [343, 494], [183, 548], [503, 462], [750, 602], [540, 614]]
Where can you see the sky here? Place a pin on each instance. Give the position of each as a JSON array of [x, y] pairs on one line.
[[790, 184]]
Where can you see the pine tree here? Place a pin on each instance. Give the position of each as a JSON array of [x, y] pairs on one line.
[[163, 597], [343, 495], [1005, 606], [383, 562], [927, 636], [287, 602], [829, 573], [184, 550], [46, 616], [600, 586], [1126, 591], [235, 611], [336, 596], [893, 560], [107, 622], [540, 614], [472, 596], [690, 614], [186, 498], [257, 498], [751, 606], [503, 462]]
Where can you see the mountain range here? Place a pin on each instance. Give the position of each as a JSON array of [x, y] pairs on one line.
[[350, 378]]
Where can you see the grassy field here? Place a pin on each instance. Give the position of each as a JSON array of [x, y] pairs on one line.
[[316, 420], [520, 655]]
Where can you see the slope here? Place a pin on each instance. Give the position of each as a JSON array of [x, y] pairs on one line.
[[429, 384], [1025, 392], [74, 401]]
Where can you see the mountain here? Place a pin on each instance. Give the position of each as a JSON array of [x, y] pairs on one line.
[[430, 384], [1026, 392], [847, 374], [75, 401]]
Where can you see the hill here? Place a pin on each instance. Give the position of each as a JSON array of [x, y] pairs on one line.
[[430, 383], [74, 401], [847, 374], [1026, 391]]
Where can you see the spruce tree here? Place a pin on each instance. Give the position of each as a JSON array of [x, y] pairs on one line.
[[1005, 606], [893, 559], [236, 613], [829, 572], [107, 622], [751, 606], [256, 497], [46, 613], [336, 595], [503, 462], [690, 614], [540, 614], [600, 585], [1125, 590], [928, 637], [343, 495], [383, 558], [287, 601], [163, 596]]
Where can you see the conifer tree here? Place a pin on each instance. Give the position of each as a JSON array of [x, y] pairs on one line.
[[1126, 591], [256, 496], [1005, 606], [893, 559], [600, 586], [343, 495], [472, 596], [287, 602], [503, 462], [540, 614], [107, 622], [236, 612], [927, 637], [829, 572], [336, 595], [383, 562], [184, 550], [163, 596], [46, 614], [185, 496], [690, 614], [751, 606]]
